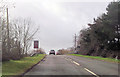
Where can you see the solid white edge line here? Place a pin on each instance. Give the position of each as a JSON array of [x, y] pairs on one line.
[[91, 72]]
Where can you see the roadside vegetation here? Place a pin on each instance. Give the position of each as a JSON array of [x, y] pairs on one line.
[[98, 58], [17, 67], [102, 38], [63, 51], [16, 35]]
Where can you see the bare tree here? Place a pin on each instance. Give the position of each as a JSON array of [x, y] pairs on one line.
[[22, 28], [20, 36]]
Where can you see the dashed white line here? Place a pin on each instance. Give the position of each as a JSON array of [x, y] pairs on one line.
[[76, 63], [66, 59], [91, 72], [84, 68], [73, 61], [70, 59]]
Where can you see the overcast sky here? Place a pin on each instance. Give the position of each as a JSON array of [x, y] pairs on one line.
[[59, 20]]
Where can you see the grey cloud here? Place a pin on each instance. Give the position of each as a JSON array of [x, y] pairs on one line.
[[58, 21]]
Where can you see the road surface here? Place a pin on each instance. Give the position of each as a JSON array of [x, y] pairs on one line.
[[73, 65]]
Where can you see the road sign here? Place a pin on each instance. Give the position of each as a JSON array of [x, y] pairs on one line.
[[36, 44]]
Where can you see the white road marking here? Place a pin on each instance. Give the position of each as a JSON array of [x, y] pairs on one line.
[[91, 72], [76, 63], [70, 59], [66, 59], [84, 68]]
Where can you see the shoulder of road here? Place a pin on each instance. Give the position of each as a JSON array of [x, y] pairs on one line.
[[19, 67], [113, 60]]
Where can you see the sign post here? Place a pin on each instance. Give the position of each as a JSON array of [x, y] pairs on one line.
[[36, 45]]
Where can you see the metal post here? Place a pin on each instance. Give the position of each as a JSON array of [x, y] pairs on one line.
[[8, 40], [75, 41]]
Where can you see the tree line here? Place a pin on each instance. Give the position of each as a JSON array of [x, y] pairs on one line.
[[16, 35], [102, 38]]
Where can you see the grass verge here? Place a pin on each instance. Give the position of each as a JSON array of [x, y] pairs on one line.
[[17, 67], [98, 58]]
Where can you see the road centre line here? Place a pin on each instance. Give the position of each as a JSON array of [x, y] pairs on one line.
[[84, 68], [73, 61], [76, 63], [66, 58], [70, 59], [91, 72]]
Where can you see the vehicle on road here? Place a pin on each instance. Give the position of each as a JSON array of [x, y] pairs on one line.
[[58, 53], [52, 52]]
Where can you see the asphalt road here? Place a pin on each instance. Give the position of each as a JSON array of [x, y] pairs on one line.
[[73, 65]]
